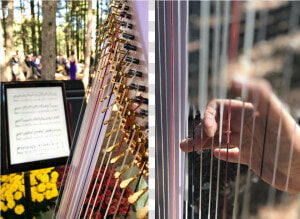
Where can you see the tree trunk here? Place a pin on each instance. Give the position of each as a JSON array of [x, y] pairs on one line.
[[2, 61], [39, 29], [7, 76], [84, 24], [23, 28], [88, 43], [77, 36], [72, 28], [33, 38], [67, 31], [4, 21], [48, 39], [97, 17]]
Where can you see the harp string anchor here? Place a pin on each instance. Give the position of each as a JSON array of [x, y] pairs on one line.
[[121, 172], [125, 183], [117, 158], [133, 198], [142, 213]]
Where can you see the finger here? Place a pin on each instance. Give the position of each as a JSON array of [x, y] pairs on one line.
[[210, 124], [207, 143], [232, 155]]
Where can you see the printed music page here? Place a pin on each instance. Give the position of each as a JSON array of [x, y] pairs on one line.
[[36, 124]]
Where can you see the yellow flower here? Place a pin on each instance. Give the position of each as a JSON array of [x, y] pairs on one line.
[[4, 178], [41, 187], [32, 180], [45, 178], [54, 174], [19, 209], [21, 188], [54, 192], [38, 176], [11, 204], [48, 194], [54, 180], [18, 195], [49, 185], [40, 197], [4, 208], [14, 187], [53, 186], [9, 196], [2, 205]]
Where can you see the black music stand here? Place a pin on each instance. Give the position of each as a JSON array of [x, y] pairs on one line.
[[38, 96]]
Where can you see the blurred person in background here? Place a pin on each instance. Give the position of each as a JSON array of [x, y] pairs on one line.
[[73, 66]]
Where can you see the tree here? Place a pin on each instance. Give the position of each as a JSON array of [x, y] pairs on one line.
[[23, 28], [39, 29], [2, 63], [7, 76], [33, 38], [49, 39], [88, 42], [4, 4]]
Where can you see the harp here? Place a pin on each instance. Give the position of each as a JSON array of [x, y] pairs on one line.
[[107, 172], [199, 46]]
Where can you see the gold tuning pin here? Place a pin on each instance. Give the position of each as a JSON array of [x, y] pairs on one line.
[[118, 174], [115, 159], [142, 213], [125, 183], [111, 148], [109, 120], [103, 111], [111, 132], [133, 198]]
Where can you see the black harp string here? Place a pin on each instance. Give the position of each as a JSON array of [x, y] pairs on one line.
[[161, 120]]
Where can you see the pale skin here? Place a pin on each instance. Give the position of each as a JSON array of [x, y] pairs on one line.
[[259, 96]]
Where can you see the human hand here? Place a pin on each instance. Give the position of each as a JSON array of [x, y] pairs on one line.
[[263, 106]]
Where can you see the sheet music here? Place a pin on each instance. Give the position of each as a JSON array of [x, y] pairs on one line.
[[36, 124]]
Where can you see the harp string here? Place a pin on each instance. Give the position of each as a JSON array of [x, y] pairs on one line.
[[91, 89], [223, 78], [166, 104], [93, 114], [109, 100], [85, 165], [115, 139], [172, 105], [226, 169], [179, 104], [248, 42], [126, 129], [71, 176], [286, 82], [215, 82], [94, 137], [161, 121]]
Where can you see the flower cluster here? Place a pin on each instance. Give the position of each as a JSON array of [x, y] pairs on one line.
[[43, 191], [107, 185]]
